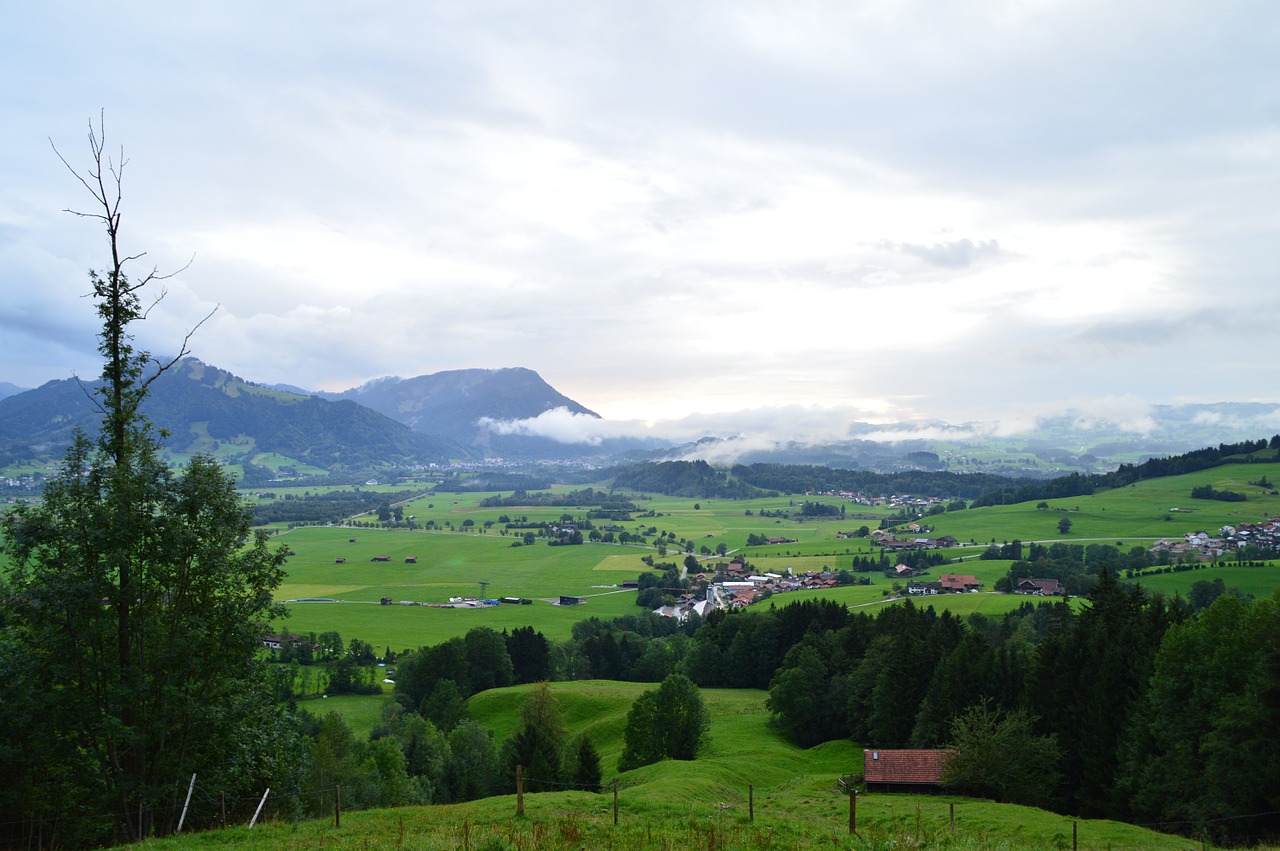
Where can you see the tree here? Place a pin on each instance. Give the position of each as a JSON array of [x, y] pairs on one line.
[[530, 654], [796, 695], [538, 741], [668, 723], [1064, 525], [488, 660], [1001, 757], [640, 744], [136, 604], [1201, 745], [586, 767], [471, 767], [331, 643], [445, 706]]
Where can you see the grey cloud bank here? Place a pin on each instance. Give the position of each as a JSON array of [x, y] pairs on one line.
[[806, 213]]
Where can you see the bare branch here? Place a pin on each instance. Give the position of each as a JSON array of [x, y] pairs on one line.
[[90, 395], [183, 350]]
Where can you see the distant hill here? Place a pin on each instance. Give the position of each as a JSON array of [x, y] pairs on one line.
[[7, 389], [206, 409], [456, 404]]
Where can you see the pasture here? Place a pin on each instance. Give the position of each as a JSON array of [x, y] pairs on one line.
[[451, 562], [749, 788]]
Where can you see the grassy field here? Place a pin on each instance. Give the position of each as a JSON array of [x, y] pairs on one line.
[[1135, 514], [707, 803], [452, 563]]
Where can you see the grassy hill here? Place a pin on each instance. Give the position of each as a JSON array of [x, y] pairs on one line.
[[702, 804]]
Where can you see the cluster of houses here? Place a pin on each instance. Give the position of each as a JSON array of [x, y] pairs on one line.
[[732, 585], [897, 500], [1202, 546], [893, 544]]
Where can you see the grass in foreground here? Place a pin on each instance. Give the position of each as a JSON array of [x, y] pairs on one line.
[[751, 789], [784, 819]]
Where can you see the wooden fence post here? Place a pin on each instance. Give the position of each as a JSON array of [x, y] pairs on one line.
[[222, 801], [337, 805], [853, 811], [751, 802], [519, 790], [615, 803], [953, 819]]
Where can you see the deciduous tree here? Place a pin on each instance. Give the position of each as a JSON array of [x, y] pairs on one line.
[[670, 722]]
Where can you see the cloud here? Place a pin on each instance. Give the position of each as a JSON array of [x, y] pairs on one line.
[[959, 254], [564, 426], [717, 208]]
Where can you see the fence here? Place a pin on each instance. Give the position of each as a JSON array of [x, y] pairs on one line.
[[196, 806]]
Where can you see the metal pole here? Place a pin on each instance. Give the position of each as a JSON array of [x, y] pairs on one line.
[[254, 820], [186, 804]]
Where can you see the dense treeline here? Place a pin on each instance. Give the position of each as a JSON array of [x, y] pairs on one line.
[[492, 482], [686, 478], [587, 496], [330, 507], [1154, 715], [798, 478]]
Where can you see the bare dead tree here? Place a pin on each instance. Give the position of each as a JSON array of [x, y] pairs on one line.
[[118, 297]]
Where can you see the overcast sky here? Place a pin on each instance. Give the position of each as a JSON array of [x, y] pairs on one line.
[[817, 212]]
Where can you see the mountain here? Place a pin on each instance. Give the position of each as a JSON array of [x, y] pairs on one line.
[[7, 389], [206, 409], [463, 405]]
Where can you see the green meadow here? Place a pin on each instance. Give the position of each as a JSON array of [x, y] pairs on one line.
[[452, 559], [749, 788], [1140, 513]]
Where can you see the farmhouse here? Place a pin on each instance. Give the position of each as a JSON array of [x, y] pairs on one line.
[[955, 583], [903, 770], [275, 642], [1038, 587], [923, 589], [566, 600]]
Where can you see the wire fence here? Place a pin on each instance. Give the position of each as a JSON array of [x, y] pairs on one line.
[[207, 809]]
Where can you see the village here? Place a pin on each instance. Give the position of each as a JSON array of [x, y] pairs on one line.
[[733, 585]]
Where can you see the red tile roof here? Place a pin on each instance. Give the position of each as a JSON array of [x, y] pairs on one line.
[[955, 580], [903, 766]]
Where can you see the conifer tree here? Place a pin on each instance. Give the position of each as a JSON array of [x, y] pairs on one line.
[[135, 607]]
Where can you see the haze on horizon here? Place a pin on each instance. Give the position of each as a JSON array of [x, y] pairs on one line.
[[801, 213]]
